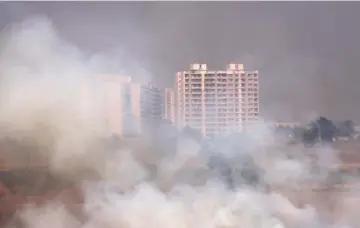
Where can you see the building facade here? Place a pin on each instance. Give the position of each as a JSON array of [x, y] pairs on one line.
[[131, 109], [215, 101], [151, 106], [169, 104], [122, 106], [286, 124]]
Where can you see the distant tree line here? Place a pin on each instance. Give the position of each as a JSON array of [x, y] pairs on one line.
[[322, 130]]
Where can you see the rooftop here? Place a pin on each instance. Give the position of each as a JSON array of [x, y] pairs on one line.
[[229, 67]]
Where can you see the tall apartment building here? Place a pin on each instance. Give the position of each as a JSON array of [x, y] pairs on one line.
[[131, 108], [169, 104], [151, 98], [122, 106], [215, 101]]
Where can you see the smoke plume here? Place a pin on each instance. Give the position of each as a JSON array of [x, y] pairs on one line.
[[51, 102]]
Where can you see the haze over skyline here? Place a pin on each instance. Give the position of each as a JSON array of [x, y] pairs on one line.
[[306, 52]]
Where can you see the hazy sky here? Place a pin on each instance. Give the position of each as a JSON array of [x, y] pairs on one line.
[[307, 53]]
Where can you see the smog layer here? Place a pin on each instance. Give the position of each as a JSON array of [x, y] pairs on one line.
[[250, 181]]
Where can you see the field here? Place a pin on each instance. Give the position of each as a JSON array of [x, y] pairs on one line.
[[26, 180]]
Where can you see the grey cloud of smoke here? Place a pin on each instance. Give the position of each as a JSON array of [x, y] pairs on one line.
[[306, 51], [47, 88], [42, 81]]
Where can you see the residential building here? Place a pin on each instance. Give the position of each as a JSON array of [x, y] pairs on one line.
[[286, 124], [122, 106], [131, 109], [215, 101], [169, 104], [152, 104]]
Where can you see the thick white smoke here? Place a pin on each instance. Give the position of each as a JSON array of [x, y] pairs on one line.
[[49, 96]]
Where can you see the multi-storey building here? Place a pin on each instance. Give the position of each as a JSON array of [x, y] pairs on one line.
[[130, 108], [151, 98], [217, 101], [122, 106], [169, 104], [286, 124]]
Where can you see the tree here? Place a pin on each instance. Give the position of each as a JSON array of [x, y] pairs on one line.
[[323, 128], [297, 133], [192, 133], [310, 134], [328, 130], [346, 128]]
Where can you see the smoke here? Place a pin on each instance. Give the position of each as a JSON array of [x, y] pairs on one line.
[[49, 93], [51, 100]]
